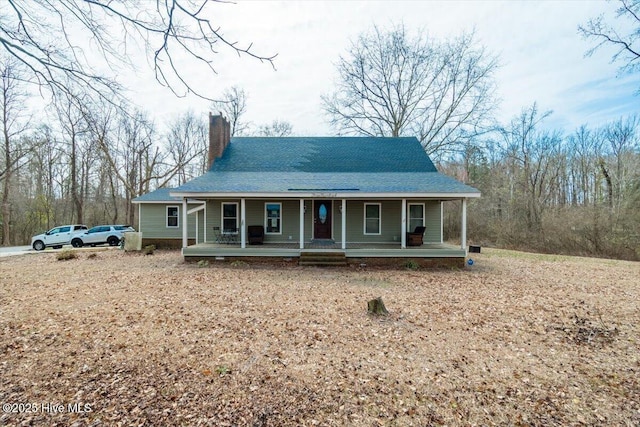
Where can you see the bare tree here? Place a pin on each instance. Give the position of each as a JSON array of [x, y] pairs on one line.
[[623, 138], [186, 145], [532, 152], [69, 108], [625, 39], [277, 128], [132, 155], [66, 42], [13, 124], [392, 85], [233, 105]]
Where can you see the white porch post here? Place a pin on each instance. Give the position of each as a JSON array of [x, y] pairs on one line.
[[243, 244], [301, 223], [441, 222], [185, 241], [403, 226], [196, 228], [344, 223], [463, 234]]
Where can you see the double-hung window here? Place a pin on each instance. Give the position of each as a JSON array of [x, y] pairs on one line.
[[172, 216], [416, 215], [230, 218], [273, 218], [372, 218]]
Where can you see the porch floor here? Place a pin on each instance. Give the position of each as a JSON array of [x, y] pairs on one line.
[[353, 250]]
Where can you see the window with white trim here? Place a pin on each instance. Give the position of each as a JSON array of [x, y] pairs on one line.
[[372, 218], [416, 216], [273, 218], [229, 218], [172, 216]]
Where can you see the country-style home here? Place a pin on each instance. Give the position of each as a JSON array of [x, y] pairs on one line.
[[357, 197]]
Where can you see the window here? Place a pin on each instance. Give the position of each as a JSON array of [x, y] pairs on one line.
[[230, 218], [416, 216], [273, 218], [98, 229], [172, 216], [372, 218]]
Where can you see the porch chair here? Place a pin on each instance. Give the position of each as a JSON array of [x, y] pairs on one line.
[[230, 235], [256, 234], [415, 238], [217, 235]]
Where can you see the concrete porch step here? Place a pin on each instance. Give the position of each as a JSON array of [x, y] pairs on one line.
[[322, 258]]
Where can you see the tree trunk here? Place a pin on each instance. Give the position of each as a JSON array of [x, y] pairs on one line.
[[6, 186], [376, 306]]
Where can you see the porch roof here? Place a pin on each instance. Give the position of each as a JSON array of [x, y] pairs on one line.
[[339, 184]]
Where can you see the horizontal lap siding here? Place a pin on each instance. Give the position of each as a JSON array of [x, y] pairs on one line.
[[390, 228], [153, 224], [289, 219], [433, 223], [255, 215], [390, 210]]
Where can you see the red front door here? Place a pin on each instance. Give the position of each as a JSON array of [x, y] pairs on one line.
[[322, 219]]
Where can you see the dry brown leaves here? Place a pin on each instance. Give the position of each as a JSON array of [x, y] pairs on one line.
[[517, 339]]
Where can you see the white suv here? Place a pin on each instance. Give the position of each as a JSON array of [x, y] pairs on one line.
[[56, 237], [111, 234]]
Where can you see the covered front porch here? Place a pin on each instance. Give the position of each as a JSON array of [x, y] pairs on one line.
[[358, 228]]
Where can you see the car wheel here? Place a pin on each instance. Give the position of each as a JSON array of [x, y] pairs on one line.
[[38, 245], [76, 243], [113, 241]]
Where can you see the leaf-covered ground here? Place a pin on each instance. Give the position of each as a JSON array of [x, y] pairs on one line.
[[125, 339]]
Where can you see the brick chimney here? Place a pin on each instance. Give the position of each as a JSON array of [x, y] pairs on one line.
[[219, 137]]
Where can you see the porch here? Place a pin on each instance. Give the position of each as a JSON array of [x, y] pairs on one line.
[[352, 250], [357, 228]]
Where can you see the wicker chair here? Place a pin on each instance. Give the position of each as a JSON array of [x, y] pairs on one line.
[[256, 234], [415, 238]]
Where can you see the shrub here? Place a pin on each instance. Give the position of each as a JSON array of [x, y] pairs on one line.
[[411, 265], [66, 254], [238, 263], [149, 249]]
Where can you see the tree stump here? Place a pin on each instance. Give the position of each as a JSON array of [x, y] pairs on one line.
[[376, 306]]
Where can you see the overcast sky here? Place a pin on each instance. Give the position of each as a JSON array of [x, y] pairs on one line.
[[539, 49]]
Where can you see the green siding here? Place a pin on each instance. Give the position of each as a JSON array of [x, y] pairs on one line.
[[153, 220], [390, 211], [432, 212]]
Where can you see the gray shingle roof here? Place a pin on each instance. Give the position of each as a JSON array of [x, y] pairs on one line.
[[324, 154], [346, 165], [343, 182], [159, 195]]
